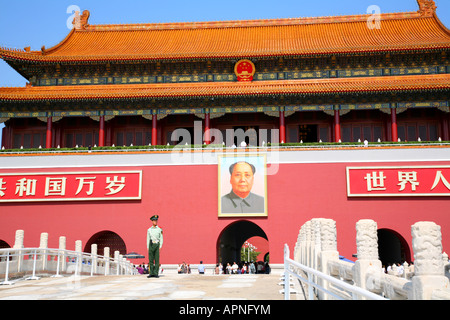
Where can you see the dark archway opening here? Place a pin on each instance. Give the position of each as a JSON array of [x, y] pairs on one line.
[[106, 239], [392, 247], [4, 245], [232, 238]]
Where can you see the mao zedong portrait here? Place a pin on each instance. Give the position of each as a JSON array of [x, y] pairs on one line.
[[241, 199]]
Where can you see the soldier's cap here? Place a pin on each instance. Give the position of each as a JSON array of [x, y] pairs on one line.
[[155, 217]]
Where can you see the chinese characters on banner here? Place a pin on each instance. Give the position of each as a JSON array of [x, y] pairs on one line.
[[71, 186], [398, 181]]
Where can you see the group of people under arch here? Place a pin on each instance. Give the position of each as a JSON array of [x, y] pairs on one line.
[[243, 268]]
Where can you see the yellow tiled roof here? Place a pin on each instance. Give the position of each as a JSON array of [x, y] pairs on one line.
[[248, 38]]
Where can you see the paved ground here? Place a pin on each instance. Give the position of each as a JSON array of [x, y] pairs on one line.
[[166, 287]]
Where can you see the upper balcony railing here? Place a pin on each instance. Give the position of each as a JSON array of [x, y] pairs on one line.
[[223, 148]]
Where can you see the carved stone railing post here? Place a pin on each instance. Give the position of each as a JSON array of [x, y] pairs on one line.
[[405, 270], [116, 260], [308, 243], [18, 244], [43, 244], [79, 259], [368, 263], [315, 226], [106, 255], [94, 257], [302, 245], [428, 263], [62, 258], [328, 251], [122, 264], [297, 248]]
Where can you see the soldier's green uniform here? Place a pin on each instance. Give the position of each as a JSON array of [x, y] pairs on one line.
[[154, 243]]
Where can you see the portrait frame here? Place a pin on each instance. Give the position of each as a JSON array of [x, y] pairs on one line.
[[258, 190]]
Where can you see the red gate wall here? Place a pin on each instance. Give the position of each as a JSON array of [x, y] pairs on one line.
[[185, 197]]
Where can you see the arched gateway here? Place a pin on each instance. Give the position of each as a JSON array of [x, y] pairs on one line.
[[392, 247], [106, 239], [232, 238]]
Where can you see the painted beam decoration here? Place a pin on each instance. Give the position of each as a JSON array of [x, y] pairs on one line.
[[70, 186], [406, 181]]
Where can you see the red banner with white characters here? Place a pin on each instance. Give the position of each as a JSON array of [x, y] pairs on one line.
[[398, 181], [70, 186]]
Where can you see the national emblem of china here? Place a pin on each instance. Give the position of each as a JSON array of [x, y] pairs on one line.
[[244, 70]]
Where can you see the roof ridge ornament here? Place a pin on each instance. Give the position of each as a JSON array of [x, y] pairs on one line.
[[426, 7], [80, 22]]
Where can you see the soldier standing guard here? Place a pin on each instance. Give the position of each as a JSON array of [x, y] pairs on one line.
[[154, 244]]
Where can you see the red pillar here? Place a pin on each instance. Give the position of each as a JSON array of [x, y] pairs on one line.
[[154, 130], [394, 125], [48, 142], [207, 135], [337, 126], [282, 128], [5, 138], [9, 141], [101, 133], [445, 131]]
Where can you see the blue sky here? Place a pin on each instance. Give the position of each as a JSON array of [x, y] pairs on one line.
[[36, 23]]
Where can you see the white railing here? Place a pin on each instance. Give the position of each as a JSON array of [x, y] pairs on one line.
[[15, 262], [215, 148], [314, 277], [316, 262]]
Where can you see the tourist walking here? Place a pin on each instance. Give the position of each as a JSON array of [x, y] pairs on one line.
[[201, 268]]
